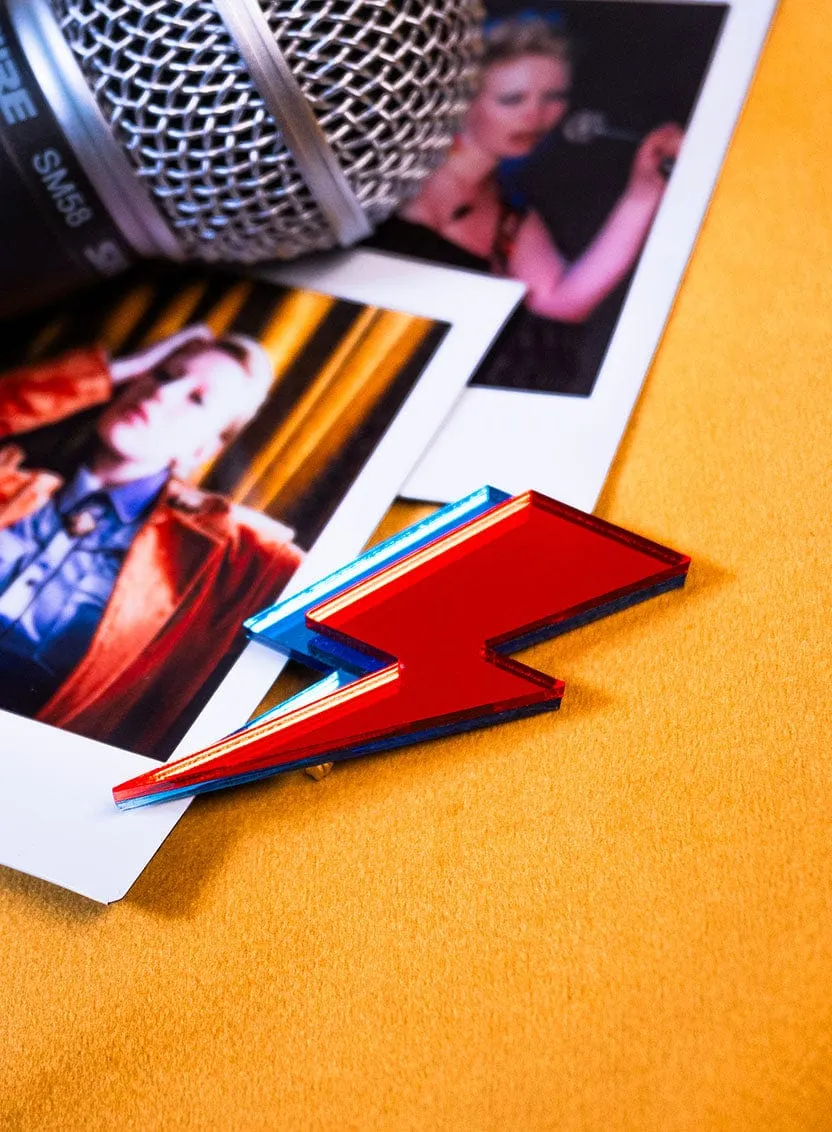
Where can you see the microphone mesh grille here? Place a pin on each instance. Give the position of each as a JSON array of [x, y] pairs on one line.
[[387, 79]]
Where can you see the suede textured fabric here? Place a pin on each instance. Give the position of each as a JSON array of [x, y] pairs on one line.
[[615, 917]]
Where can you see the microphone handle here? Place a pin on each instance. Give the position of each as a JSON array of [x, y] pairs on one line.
[[630, 137], [56, 234], [616, 133]]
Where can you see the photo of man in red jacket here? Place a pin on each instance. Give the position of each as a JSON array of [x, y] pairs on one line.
[[123, 586]]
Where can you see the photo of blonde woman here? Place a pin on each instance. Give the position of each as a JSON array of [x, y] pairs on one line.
[[506, 198], [524, 94]]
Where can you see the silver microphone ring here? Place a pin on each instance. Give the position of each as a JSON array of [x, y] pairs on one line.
[[286, 102]]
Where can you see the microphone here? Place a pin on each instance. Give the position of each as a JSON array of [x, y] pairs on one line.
[[583, 127], [222, 131]]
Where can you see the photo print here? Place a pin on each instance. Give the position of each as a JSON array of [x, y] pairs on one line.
[[176, 450], [582, 170], [559, 170]]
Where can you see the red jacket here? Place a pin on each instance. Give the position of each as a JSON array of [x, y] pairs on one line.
[[198, 567]]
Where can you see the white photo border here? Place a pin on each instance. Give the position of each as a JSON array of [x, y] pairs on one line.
[[564, 445], [58, 821]]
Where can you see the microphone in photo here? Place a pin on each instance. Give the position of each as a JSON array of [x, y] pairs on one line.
[[230, 131], [583, 127]]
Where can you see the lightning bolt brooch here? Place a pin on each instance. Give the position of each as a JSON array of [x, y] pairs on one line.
[[414, 636]]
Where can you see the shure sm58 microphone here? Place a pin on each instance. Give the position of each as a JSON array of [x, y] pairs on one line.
[[215, 130]]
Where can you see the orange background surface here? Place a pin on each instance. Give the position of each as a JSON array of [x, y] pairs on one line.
[[617, 917]]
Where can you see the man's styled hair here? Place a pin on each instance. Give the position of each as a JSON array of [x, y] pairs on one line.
[[506, 40], [257, 365]]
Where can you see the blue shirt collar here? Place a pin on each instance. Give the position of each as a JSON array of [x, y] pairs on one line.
[[129, 500]]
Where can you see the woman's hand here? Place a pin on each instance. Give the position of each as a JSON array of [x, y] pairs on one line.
[[134, 365], [648, 176], [570, 292]]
